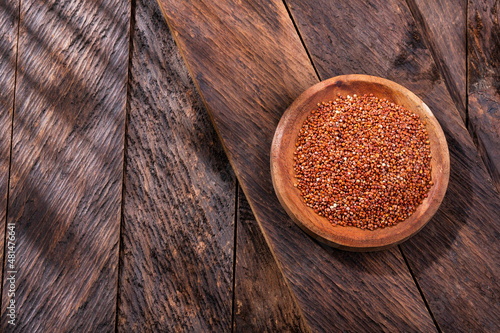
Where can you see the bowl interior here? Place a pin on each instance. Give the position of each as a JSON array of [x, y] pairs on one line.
[[283, 174]]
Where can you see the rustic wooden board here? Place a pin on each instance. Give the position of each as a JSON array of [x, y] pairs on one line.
[[179, 201], [456, 258], [249, 64], [441, 23], [67, 165], [483, 32], [263, 302], [9, 11]]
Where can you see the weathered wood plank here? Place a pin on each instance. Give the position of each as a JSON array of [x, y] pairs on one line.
[[263, 300], [179, 200], [441, 23], [456, 258], [249, 64], [483, 33], [67, 165], [9, 11]]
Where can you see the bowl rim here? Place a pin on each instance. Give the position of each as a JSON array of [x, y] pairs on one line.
[[379, 239]]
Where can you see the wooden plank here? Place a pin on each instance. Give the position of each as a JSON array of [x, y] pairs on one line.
[[249, 64], [483, 33], [67, 166], [263, 300], [456, 258], [9, 11], [442, 26], [179, 201]]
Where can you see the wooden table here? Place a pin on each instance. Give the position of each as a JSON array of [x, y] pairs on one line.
[[121, 211]]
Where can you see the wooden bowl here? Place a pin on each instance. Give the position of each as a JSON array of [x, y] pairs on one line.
[[283, 174]]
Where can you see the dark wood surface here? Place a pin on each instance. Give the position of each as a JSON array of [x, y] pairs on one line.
[[268, 68], [263, 302], [67, 165], [441, 23], [462, 239], [176, 262], [483, 34], [163, 239], [9, 11]]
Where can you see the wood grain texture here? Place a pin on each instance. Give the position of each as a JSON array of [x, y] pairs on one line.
[[9, 11], [263, 300], [456, 258], [483, 33], [441, 24], [67, 165], [249, 64], [176, 263]]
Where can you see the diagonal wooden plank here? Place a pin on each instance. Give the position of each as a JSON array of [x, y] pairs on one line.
[[441, 24], [249, 64], [483, 33], [263, 300], [9, 17], [67, 166], [456, 258], [179, 199]]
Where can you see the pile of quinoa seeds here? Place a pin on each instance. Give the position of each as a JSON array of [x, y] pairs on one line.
[[363, 162]]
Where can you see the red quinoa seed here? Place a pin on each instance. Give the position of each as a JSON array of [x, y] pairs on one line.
[[363, 162]]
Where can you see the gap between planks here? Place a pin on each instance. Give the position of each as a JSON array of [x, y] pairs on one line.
[[301, 39], [235, 244], [132, 18], [419, 290], [18, 21]]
